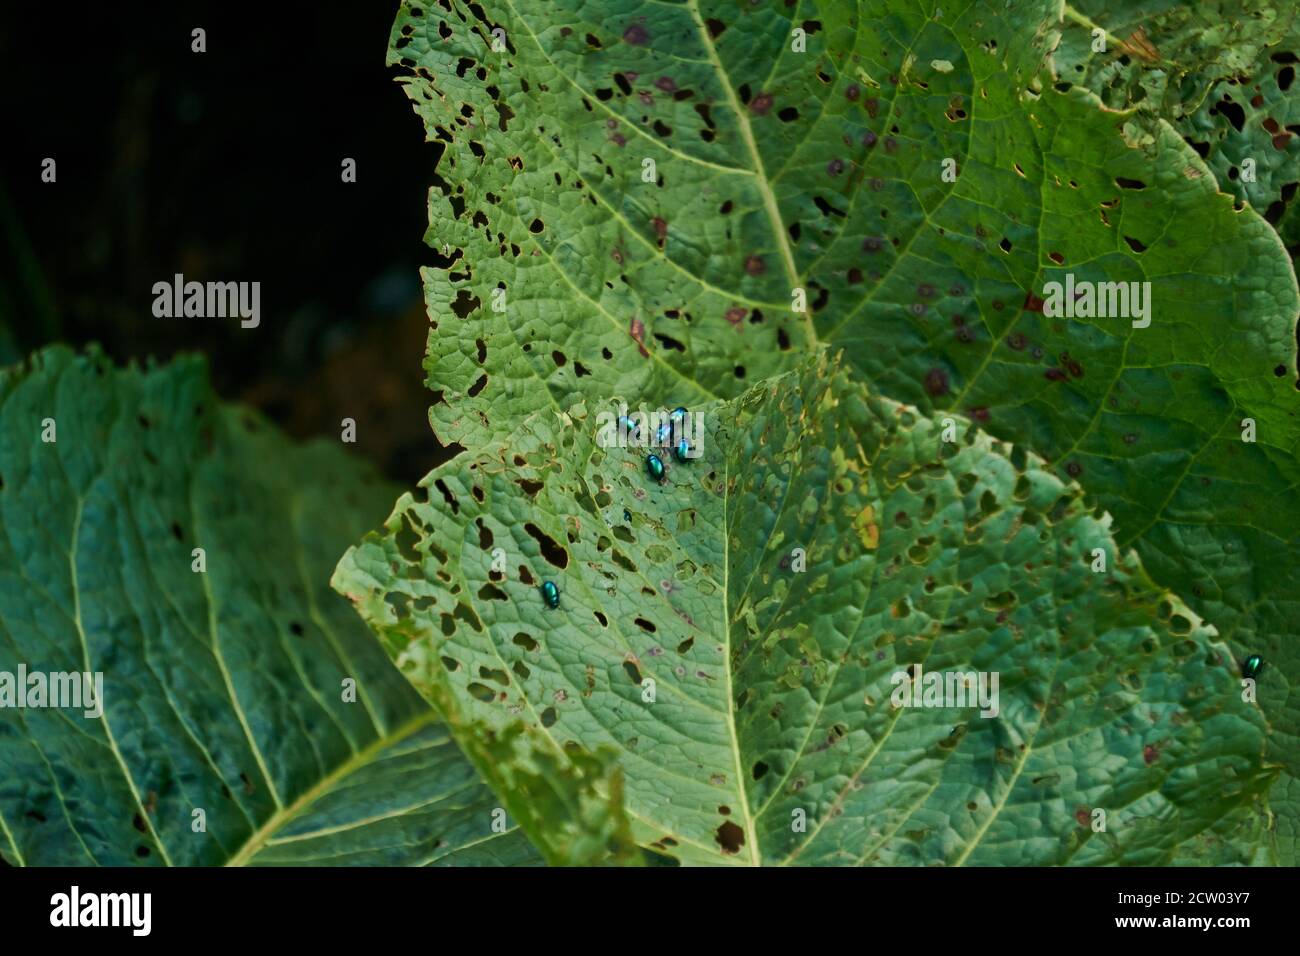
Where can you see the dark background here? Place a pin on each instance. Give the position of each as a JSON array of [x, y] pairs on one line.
[[224, 166]]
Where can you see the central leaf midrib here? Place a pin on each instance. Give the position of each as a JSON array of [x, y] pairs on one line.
[[760, 173]]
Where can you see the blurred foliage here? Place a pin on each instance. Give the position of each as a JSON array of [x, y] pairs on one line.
[[173, 161]]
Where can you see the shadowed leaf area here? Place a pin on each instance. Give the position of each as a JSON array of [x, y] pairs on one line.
[[225, 735]]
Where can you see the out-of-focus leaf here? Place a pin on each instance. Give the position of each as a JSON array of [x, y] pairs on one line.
[[223, 691]]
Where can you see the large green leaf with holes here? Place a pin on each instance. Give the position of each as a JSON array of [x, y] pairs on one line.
[[1224, 76], [1237, 103], [1250, 133], [1166, 54], [739, 632], [223, 691], [630, 197]]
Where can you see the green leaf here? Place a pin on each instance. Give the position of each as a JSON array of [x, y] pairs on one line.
[[1238, 106], [1239, 839], [1267, 138], [1166, 55], [1241, 107], [683, 284], [1284, 827], [222, 690], [776, 170], [751, 700]]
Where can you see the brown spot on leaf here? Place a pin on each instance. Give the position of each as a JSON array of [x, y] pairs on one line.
[[1140, 46], [637, 331], [936, 382], [730, 837], [867, 529]]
